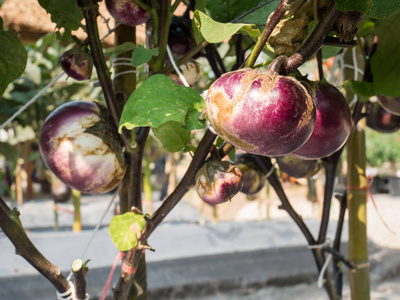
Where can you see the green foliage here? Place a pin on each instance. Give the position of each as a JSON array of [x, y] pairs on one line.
[[215, 32], [66, 14], [381, 148], [13, 58], [363, 89], [125, 230], [159, 100], [142, 55], [366, 27], [358, 5], [225, 11], [382, 9], [385, 62], [173, 136]]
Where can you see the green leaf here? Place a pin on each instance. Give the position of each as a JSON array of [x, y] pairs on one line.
[[142, 55], [226, 10], [215, 32], [66, 14], [363, 88], [159, 100], [382, 9], [358, 5], [366, 28], [260, 16], [385, 62], [173, 136], [329, 51], [13, 58], [125, 230]]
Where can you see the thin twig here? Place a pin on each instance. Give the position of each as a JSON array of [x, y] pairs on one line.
[[273, 21]]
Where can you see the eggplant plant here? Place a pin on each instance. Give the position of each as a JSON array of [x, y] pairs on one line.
[[258, 102]]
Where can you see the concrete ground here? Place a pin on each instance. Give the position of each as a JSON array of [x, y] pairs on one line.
[[244, 256]]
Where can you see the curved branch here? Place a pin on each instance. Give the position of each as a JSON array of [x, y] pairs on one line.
[[90, 11], [11, 226], [314, 42]]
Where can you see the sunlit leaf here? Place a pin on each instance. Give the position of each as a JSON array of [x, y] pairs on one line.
[[159, 100], [125, 230]]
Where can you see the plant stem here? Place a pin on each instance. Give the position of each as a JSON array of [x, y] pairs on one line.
[[184, 185], [266, 165], [320, 65], [314, 42], [90, 11], [78, 273], [357, 213], [330, 165], [356, 200], [77, 225], [173, 199], [337, 271], [163, 29], [273, 21], [12, 227]]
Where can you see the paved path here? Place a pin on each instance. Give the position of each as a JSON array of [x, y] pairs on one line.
[[244, 259]]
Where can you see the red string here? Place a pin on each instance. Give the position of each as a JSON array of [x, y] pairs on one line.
[[370, 179], [127, 269], [110, 276], [56, 207]]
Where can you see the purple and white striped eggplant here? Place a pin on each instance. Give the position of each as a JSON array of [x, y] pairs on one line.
[[260, 112], [78, 158]]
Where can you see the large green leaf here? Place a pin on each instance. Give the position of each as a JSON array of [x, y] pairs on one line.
[[173, 136], [382, 9], [386, 61], [13, 58], [159, 100], [125, 230], [358, 5], [215, 32], [66, 14]]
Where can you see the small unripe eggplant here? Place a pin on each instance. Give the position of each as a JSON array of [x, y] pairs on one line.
[[298, 168], [77, 64], [381, 120], [218, 181], [391, 104], [127, 12], [252, 177], [78, 157], [260, 112]]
